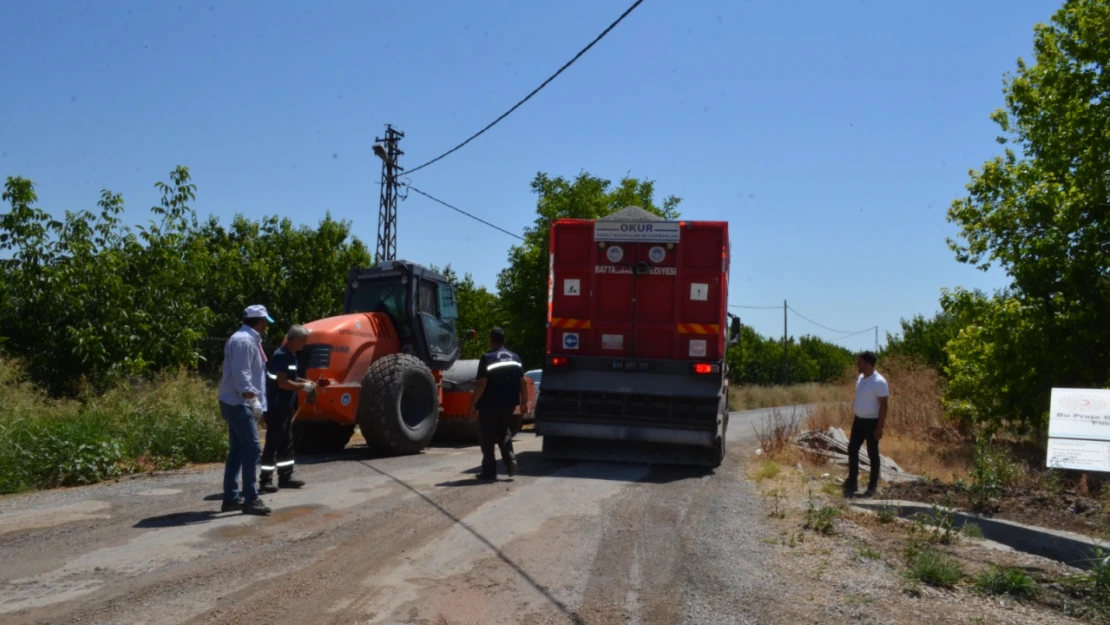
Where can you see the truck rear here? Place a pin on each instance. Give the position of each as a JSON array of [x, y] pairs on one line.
[[636, 337]]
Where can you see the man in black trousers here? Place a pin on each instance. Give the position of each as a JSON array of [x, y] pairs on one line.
[[500, 389], [872, 393], [282, 387]]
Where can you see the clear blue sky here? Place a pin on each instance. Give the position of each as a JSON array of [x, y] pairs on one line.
[[831, 135]]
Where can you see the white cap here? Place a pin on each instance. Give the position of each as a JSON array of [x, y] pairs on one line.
[[257, 312]]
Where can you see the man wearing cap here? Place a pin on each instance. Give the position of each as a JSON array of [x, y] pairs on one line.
[[500, 389], [242, 403], [281, 399]]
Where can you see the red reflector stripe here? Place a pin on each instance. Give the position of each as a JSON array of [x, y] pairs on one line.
[[699, 328], [570, 324]]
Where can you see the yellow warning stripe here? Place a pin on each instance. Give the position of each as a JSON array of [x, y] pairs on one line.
[[698, 328], [570, 324]]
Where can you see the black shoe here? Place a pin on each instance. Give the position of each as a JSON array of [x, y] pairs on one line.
[[486, 477], [231, 506], [870, 492], [290, 483], [849, 488], [256, 507], [512, 469], [267, 488]]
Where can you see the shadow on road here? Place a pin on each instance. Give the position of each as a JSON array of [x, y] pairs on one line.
[[179, 519], [533, 464], [473, 482]]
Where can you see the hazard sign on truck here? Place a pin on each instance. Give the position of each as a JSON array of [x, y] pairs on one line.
[[637, 331]]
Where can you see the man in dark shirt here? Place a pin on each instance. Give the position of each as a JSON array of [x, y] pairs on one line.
[[281, 390], [500, 389]]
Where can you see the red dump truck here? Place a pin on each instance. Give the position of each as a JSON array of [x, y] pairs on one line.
[[637, 330]]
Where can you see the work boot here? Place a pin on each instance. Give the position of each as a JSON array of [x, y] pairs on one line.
[[266, 483], [290, 483], [255, 507], [231, 506], [512, 468], [849, 488], [870, 492], [487, 477]]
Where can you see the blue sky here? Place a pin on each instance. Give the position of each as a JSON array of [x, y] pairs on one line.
[[831, 135]]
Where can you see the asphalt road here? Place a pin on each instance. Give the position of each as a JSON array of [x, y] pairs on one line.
[[399, 540]]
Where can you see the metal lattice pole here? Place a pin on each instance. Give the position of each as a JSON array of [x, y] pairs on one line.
[[387, 150]]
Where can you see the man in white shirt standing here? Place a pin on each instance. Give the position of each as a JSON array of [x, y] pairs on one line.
[[872, 393], [242, 404]]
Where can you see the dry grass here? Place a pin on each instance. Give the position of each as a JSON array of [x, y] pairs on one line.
[[752, 397], [918, 435], [776, 432]]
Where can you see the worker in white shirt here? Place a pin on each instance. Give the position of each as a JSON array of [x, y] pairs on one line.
[[242, 404], [872, 393]]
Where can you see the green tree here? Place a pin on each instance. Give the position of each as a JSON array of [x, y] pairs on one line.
[[1039, 211], [925, 339], [757, 360], [86, 299], [523, 284]]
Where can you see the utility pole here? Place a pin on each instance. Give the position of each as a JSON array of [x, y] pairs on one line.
[[785, 352], [876, 339], [386, 149]]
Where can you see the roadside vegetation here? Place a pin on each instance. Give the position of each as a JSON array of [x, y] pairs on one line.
[[48, 442]]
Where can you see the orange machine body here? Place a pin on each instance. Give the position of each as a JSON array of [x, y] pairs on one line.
[[337, 355]]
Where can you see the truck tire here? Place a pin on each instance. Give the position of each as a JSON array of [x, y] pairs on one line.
[[321, 437], [399, 408]]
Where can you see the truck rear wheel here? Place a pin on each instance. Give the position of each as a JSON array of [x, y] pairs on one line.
[[399, 408], [320, 437]]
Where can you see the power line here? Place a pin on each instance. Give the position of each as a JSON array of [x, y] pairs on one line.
[[457, 209], [841, 338], [534, 91], [850, 332], [755, 307]]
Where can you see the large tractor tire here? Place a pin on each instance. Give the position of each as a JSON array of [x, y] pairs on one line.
[[399, 408], [320, 437]]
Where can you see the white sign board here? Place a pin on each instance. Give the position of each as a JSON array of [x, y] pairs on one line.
[[612, 341], [637, 231], [572, 286], [1079, 413], [697, 348], [1068, 453], [699, 292]]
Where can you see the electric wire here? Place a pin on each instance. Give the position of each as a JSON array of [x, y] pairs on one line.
[[534, 91]]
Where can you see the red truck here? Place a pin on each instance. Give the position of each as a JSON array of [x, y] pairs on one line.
[[636, 337]]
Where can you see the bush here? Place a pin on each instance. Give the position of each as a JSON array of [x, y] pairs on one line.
[[46, 442], [994, 469], [1006, 581], [821, 519], [935, 568]]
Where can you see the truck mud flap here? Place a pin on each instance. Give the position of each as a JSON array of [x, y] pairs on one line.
[[630, 451]]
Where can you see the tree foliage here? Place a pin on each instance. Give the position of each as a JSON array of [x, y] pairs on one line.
[[757, 360], [925, 339], [87, 299], [522, 285], [1040, 212]]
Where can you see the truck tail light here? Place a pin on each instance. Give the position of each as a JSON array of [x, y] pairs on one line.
[[705, 368], [560, 361]]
